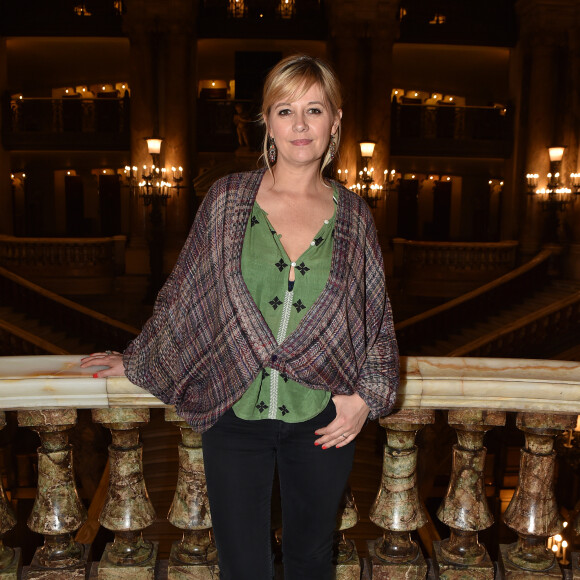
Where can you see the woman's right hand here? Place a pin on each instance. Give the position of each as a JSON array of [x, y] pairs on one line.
[[111, 359]]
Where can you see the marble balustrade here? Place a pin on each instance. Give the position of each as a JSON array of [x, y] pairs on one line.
[[477, 393], [450, 269]]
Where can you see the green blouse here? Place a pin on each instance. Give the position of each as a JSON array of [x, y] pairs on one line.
[[283, 304]]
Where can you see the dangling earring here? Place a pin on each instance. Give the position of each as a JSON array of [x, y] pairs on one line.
[[272, 151], [332, 147]]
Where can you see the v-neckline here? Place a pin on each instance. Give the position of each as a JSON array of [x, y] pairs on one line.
[[254, 324], [278, 237]]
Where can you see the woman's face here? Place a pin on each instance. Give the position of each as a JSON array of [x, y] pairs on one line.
[[302, 128]]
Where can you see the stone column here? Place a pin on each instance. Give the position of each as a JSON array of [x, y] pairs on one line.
[[6, 197], [544, 96], [347, 560], [465, 508], [127, 510], [533, 512], [361, 45], [195, 556], [397, 509], [57, 510], [180, 107], [163, 103], [10, 558]]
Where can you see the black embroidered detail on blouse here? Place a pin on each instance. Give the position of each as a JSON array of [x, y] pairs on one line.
[[275, 302], [303, 268], [299, 305], [273, 232], [254, 221], [284, 377], [261, 406], [281, 264], [265, 374], [318, 240], [284, 410]]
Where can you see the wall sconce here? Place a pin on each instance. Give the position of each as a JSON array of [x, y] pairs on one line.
[[556, 195]]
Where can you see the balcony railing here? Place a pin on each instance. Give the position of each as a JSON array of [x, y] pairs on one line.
[[62, 124], [66, 265], [62, 18], [449, 269], [478, 395], [449, 130]]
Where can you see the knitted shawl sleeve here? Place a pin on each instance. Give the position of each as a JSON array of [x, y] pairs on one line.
[[160, 358], [378, 378]]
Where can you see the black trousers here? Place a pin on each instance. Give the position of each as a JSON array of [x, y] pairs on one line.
[[240, 458]]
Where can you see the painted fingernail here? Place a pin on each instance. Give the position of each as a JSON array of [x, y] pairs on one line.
[[316, 443], [324, 447], [96, 376]]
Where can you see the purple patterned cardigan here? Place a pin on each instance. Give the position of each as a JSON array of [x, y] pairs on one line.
[[207, 340]]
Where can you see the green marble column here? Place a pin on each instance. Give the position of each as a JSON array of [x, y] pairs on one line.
[[10, 560], [397, 508], [533, 512], [127, 510], [465, 508], [347, 562], [57, 510], [195, 556]]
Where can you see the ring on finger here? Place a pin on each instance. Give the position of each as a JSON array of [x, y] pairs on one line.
[[108, 352], [345, 435]]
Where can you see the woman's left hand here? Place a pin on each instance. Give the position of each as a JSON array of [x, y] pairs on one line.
[[351, 414]]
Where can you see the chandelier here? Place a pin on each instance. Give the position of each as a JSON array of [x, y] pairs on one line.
[[555, 195], [155, 184], [366, 186]]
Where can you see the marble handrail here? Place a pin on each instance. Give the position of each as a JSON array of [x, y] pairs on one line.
[[46, 391], [40, 382]]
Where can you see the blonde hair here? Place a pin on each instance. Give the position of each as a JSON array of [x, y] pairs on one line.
[[289, 80]]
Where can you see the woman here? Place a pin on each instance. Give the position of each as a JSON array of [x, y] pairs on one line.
[[273, 336]]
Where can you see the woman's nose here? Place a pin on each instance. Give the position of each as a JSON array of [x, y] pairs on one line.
[[300, 123]]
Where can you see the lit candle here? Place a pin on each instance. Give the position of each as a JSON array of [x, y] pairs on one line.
[[564, 546]]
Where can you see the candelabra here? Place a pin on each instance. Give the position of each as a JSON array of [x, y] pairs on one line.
[[366, 186], [555, 196], [342, 176], [155, 187]]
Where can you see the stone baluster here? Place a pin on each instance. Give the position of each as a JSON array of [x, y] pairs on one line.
[[397, 508], [195, 556], [57, 510], [10, 558], [465, 509], [533, 512], [347, 561], [128, 509]]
